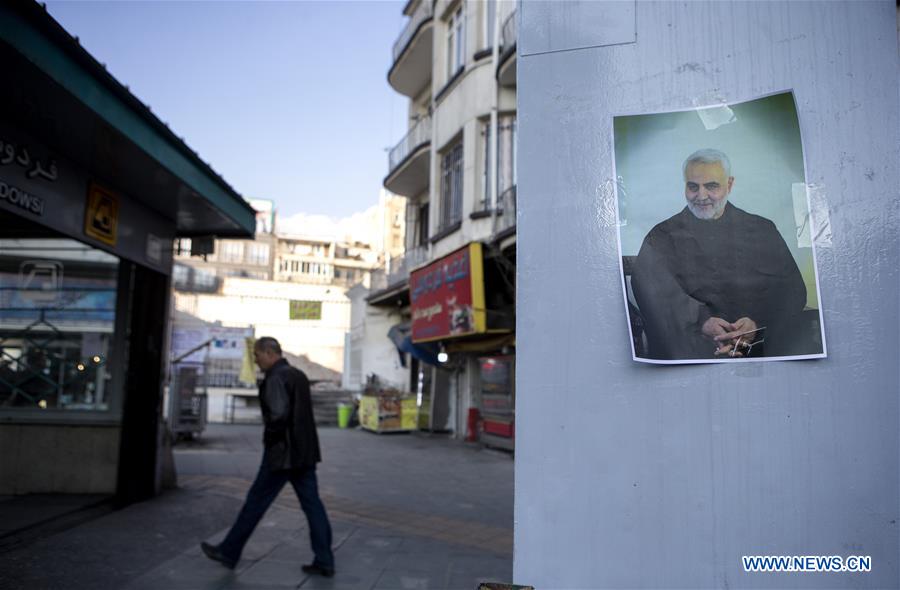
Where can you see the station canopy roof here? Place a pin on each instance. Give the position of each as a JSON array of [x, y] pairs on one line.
[[64, 97]]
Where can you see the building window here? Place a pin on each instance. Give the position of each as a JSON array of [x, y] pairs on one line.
[[417, 225], [305, 310], [231, 251], [484, 203], [204, 278], [506, 155], [456, 41], [258, 253], [57, 324], [490, 13], [181, 276], [506, 161], [182, 246], [451, 185]]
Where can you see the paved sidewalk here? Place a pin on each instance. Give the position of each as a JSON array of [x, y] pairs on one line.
[[408, 511]]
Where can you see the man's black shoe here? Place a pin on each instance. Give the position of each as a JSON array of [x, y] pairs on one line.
[[213, 552], [315, 568]]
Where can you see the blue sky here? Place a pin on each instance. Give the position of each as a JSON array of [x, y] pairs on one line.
[[288, 101]]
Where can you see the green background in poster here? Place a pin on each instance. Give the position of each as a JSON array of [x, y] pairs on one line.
[[761, 138]]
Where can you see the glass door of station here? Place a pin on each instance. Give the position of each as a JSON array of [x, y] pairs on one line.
[[57, 321]]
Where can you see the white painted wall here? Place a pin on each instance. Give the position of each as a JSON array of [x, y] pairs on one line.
[[371, 346], [630, 475], [266, 306], [460, 111]]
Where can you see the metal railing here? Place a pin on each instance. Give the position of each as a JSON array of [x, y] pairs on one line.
[[423, 11], [400, 266], [403, 264], [509, 31], [205, 285], [506, 210], [419, 134], [378, 279]]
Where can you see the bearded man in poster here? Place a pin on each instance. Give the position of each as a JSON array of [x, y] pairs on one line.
[[714, 280]]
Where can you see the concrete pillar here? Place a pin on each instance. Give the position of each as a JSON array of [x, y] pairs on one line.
[[629, 475]]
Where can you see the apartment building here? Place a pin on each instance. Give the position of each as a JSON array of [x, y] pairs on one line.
[[292, 287], [201, 264], [301, 259], [453, 290]]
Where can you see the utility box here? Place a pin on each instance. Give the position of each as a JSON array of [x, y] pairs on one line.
[[635, 475]]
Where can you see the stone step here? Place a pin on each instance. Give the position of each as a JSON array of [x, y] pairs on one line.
[[325, 405]]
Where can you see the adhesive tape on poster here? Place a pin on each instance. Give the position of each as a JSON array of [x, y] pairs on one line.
[[811, 215], [713, 111], [821, 220], [606, 211]]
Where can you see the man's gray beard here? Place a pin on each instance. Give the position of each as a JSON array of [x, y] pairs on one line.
[[709, 214]]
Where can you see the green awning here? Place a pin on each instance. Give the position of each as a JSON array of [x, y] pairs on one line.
[[172, 179]]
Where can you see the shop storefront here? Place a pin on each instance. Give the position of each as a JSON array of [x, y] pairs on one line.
[[496, 378], [93, 191], [464, 304]]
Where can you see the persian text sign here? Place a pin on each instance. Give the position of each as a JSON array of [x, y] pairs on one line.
[[448, 296]]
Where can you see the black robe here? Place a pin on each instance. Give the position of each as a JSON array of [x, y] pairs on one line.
[[690, 269]]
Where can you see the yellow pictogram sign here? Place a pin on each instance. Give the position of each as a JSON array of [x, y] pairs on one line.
[[102, 214]]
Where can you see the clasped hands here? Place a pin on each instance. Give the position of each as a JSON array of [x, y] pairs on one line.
[[731, 338]]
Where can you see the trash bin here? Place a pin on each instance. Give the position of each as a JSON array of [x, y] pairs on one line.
[[343, 414]]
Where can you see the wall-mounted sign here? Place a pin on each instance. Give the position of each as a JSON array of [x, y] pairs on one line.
[[40, 280], [21, 198], [101, 216], [305, 310], [448, 296], [20, 155], [42, 184]]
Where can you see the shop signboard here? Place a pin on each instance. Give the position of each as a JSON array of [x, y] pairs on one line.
[[448, 296]]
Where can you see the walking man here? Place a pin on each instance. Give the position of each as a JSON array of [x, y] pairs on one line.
[[291, 451]]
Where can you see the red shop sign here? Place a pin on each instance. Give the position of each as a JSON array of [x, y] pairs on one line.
[[448, 296]]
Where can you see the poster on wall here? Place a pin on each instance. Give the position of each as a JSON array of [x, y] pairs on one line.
[[717, 257]]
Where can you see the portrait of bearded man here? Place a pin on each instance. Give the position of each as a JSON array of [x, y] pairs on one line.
[[714, 281]]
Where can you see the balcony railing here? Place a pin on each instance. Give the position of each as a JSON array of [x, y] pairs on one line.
[[506, 214], [401, 265], [423, 12], [379, 279], [509, 32], [419, 134]]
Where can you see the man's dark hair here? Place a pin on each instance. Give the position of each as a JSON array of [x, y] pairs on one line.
[[268, 343]]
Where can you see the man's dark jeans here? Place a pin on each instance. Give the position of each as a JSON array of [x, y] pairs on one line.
[[263, 492]]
